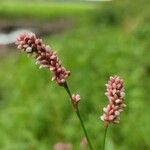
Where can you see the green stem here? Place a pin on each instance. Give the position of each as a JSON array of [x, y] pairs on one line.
[[83, 127], [105, 133], [78, 115]]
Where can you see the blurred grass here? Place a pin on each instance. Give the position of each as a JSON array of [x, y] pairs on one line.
[[35, 113], [43, 11]]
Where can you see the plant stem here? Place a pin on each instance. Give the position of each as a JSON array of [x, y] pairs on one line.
[[105, 133], [83, 127], [78, 115]]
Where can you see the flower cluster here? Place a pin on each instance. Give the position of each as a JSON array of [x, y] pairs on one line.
[[44, 55], [115, 94], [76, 98]]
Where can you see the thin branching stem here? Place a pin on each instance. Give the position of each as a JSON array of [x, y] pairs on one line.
[[105, 133], [78, 115]]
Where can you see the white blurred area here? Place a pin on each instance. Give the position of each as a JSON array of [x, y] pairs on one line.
[[9, 38]]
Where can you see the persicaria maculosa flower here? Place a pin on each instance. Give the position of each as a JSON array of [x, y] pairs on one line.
[[76, 98], [47, 58], [44, 55], [115, 94]]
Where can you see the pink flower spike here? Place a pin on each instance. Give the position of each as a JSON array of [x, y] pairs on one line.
[[115, 94], [44, 55]]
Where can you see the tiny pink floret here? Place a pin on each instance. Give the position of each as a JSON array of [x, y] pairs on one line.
[[76, 98]]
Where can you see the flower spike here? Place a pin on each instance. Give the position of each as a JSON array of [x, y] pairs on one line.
[[115, 94], [44, 55]]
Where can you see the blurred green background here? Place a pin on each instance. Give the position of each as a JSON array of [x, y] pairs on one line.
[[94, 41]]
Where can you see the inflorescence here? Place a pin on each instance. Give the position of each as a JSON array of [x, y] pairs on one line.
[[44, 55], [115, 94]]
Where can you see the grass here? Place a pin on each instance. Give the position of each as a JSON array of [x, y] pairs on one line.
[[43, 11], [36, 114]]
